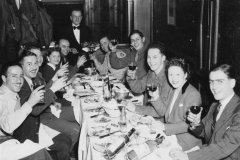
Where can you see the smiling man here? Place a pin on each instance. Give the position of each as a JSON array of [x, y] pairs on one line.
[[138, 54], [221, 126], [77, 34], [156, 61], [12, 115]]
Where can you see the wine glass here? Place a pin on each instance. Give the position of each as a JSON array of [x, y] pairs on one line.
[[132, 66], [36, 84], [151, 87], [195, 110], [114, 42]]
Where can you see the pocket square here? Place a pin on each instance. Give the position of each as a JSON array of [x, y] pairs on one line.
[[227, 127], [180, 105]]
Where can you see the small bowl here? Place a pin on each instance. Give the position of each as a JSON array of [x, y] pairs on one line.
[[121, 93]]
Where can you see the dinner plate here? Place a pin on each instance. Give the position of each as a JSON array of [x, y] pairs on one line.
[[102, 119], [92, 99], [100, 147], [164, 144], [94, 109], [99, 131]]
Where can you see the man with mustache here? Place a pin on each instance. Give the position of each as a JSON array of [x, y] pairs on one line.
[[29, 129], [12, 115]]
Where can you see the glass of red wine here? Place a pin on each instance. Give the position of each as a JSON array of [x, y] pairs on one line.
[[195, 110], [132, 66], [37, 83], [151, 87], [114, 42]]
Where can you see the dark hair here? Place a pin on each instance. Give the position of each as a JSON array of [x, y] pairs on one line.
[[54, 49], [7, 66], [179, 62], [225, 68], [105, 36], [159, 46], [24, 54], [136, 32]]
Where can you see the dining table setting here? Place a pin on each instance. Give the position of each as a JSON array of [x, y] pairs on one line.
[[108, 129]]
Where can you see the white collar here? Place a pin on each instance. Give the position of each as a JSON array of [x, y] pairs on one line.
[[75, 25], [29, 81], [51, 65]]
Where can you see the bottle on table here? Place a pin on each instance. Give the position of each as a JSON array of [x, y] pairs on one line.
[[118, 144], [123, 119], [144, 149], [107, 96]]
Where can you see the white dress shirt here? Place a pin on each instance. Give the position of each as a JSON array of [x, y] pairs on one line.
[[76, 33], [10, 119], [29, 81], [223, 105]]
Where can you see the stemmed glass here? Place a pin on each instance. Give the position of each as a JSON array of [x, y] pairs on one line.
[[195, 110], [36, 84], [151, 87]]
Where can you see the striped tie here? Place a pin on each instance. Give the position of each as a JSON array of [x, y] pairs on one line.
[[215, 113]]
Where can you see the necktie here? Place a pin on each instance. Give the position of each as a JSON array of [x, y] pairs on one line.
[[18, 104], [215, 113], [78, 27], [136, 58]]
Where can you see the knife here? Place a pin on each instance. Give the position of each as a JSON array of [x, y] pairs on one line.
[[108, 134]]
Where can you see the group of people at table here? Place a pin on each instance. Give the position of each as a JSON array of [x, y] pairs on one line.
[[22, 116]]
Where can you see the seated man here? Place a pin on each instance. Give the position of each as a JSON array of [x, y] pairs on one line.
[[116, 61], [12, 116], [73, 69], [220, 127], [29, 129], [156, 61], [138, 54]]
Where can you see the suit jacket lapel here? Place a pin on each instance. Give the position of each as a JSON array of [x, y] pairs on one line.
[[169, 103], [227, 112]]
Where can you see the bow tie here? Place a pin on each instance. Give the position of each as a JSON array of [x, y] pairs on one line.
[[78, 27]]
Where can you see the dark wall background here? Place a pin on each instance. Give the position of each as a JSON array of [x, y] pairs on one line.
[[182, 40]]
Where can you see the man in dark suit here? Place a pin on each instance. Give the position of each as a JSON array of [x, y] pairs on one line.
[[29, 129], [221, 126], [77, 34]]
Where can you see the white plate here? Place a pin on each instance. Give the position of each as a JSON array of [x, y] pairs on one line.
[[94, 109], [102, 119]]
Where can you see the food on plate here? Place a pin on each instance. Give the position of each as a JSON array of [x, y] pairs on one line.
[[94, 109], [92, 100], [145, 121], [102, 119]]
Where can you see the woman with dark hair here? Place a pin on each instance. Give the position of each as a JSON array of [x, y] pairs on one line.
[[181, 98], [49, 71]]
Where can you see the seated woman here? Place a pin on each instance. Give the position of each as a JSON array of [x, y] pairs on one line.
[[181, 98], [52, 69]]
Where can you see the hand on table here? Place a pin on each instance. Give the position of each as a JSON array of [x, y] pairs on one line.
[[178, 154], [154, 95]]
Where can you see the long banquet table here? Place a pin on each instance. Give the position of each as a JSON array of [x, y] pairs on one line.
[[87, 143]]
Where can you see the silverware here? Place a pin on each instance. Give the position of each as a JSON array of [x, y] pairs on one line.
[[108, 134]]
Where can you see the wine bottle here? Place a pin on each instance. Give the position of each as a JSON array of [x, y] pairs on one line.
[[144, 149], [118, 144]]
